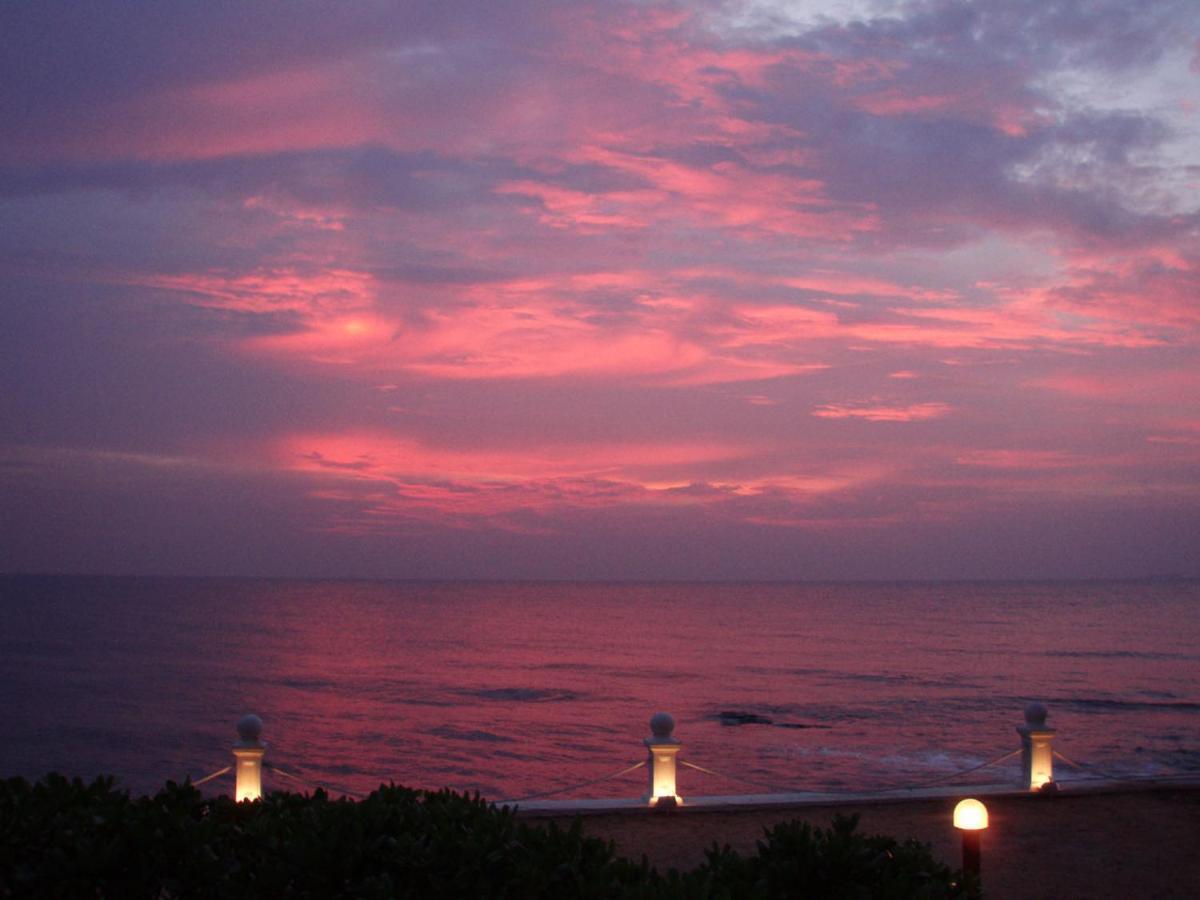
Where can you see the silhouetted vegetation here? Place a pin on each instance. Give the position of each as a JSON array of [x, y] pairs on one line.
[[66, 838]]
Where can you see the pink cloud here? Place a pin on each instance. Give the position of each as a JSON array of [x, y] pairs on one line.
[[735, 196], [557, 325], [896, 101], [376, 482], [873, 411], [588, 211], [847, 283], [1016, 323], [384, 456], [522, 328], [329, 292], [1021, 459], [1156, 287], [391, 479], [264, 113], [1155, 385]]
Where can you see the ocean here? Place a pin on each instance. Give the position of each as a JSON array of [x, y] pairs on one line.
[[514, 689]]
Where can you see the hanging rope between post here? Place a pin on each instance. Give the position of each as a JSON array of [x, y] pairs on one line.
[[1089, 769], [906, 787], [311, 776], [944, 778], [306, 783], [207, 778], [314, 779], [749, 781], [574, 787]]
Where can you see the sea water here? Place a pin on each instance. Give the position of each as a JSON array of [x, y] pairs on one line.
[[513, 689]]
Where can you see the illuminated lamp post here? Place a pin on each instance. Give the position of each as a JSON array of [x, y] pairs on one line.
[[249, 752], [1037, 752], [663, 748], [971, 818]]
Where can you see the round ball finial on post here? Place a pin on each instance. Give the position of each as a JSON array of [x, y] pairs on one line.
[[662, 748], [1035, 715], [249, 752], [1037, 750], [249, 728], [662, 725]]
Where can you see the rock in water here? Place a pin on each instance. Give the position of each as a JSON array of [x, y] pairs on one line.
[[730, 717]]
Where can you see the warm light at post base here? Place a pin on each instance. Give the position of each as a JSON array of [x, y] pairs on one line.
[[970, 815], [664, 778], [1038, 780], [249, 775], [249, 780]]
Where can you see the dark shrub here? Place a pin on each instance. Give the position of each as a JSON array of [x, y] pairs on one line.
[[797, 860], [65, 838]]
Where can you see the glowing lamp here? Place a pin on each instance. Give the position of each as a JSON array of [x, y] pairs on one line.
[[248, 752], [1037, 749], [970, 815], [971, 818], [662, 748]]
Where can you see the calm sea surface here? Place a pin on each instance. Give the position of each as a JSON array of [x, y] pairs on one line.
[[512, 689]]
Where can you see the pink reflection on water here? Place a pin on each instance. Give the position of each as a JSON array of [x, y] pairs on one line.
[[514, 689]]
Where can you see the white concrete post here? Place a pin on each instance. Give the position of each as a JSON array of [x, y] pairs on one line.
[[662, 748], [249, 752], [1037, 751]]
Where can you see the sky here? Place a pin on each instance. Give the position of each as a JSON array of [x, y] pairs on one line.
[[601, 290]]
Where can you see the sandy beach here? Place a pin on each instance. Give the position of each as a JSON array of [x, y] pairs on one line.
[[1141, 842]]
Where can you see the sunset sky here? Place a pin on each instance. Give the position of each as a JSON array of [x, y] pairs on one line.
[[601, 290]]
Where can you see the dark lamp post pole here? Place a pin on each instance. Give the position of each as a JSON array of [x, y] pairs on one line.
[[971, 818]]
